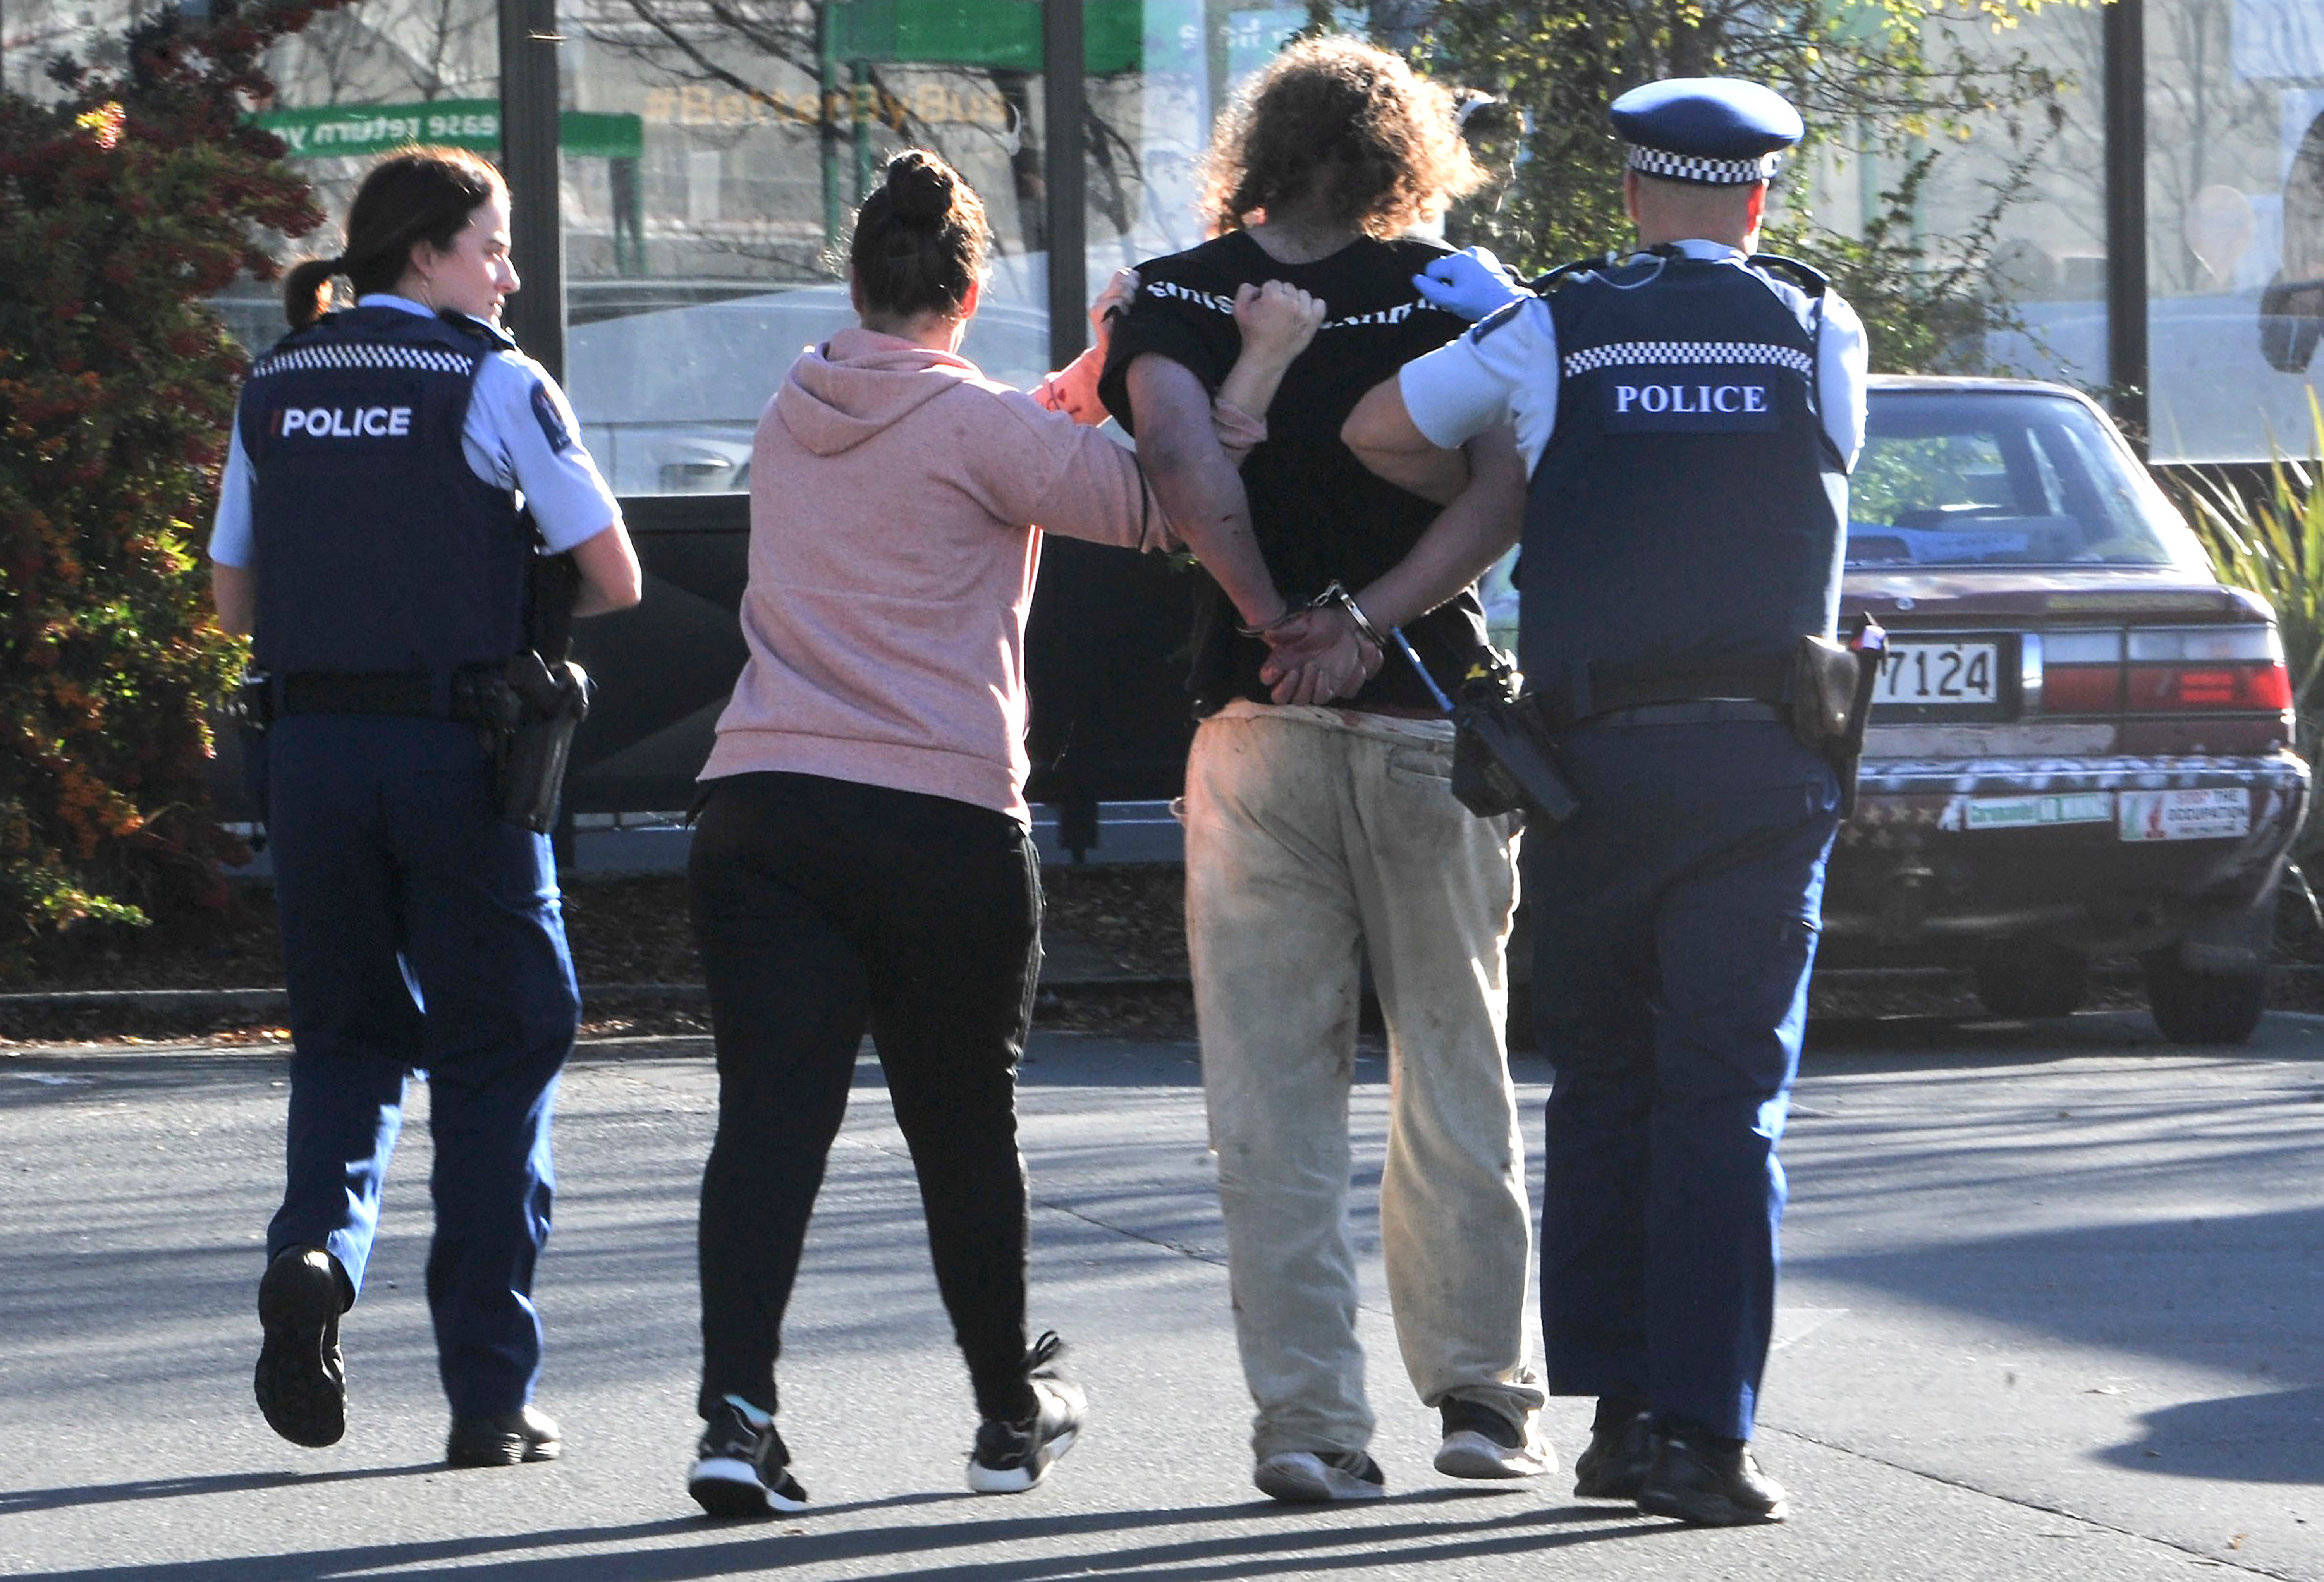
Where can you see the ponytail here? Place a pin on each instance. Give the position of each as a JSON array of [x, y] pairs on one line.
[[307, 291]]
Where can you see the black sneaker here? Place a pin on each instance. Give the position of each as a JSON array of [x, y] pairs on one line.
[[1310, 1478], [1711, 1484], [1616, 1462], [741, 1468], [302, 1379], [526, 1434], [1479, 1442], [1011, 1457]]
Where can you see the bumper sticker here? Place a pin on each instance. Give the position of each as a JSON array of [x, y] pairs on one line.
[[2011, 813], [2221, 813]]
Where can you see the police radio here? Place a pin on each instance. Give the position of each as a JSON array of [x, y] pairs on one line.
[[1502, 760]]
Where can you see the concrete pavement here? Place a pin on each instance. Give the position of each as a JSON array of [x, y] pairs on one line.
[[2050, 1311]]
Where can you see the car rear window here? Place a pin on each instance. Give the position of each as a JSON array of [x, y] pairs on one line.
[[1996, 477]]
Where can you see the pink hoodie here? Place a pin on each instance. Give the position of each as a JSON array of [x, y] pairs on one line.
[[893, 494]]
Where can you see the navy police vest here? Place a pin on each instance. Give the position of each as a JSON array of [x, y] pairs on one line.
[[1688, 508], [378, 548]]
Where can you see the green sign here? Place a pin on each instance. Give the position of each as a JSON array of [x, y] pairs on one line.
[[2012, 813], [980, 33], [360, 130], [595, 136]]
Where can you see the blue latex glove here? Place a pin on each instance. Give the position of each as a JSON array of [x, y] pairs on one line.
[[1473, 284]]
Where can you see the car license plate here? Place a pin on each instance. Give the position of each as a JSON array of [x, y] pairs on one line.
[[2218, 815], [1940, 673]]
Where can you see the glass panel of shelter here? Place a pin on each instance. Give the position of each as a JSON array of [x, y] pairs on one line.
[[712, 155], [356, 82], [2039, 258], [2235, 193], [704, 253]]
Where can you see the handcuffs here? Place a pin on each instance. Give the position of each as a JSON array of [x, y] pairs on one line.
[[1335, 594]]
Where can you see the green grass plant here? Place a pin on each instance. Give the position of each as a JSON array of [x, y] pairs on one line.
[[2264, 528]]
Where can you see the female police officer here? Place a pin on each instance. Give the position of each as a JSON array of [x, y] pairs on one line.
[[1690, 416], [371, 542]]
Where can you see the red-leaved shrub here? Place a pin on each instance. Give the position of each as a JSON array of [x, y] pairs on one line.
[[123, 206]]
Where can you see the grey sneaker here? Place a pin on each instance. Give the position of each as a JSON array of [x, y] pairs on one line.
[[1009, 1458], [1309, 1477], [1479, 1442], [741, 1468]]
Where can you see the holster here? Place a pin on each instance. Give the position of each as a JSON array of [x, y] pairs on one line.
[[1503, 759], [548, 703], [1830, 700], [1821, 697], [546, 696], [251, 704]]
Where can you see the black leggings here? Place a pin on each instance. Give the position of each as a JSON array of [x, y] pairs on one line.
[[823, 908]]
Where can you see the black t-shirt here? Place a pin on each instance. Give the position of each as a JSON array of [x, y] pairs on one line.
[[1317, 513]]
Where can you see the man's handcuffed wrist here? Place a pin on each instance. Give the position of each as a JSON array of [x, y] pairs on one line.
[[1337, 593], [1291, 612]]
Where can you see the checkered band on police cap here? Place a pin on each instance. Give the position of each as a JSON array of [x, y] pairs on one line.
[[1715, 131], [1671, 167]]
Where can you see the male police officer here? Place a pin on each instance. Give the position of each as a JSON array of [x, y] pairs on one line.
[[1689, 417]]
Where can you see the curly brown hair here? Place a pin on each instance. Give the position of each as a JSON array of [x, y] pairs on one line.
[[1336, 125]]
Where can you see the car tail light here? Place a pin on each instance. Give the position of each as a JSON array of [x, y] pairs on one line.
[[2082, 672], [2151, 670], [2216, 670]]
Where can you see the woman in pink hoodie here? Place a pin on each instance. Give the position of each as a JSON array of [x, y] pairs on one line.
[[862, 860]]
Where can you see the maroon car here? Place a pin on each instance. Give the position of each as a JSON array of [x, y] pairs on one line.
[[2080, 746]]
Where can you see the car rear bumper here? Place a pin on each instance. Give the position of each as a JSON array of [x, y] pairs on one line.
[[2107, 854]]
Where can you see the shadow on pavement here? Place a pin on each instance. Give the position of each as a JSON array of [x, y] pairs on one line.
[[2277, 1438], [17, 1501], [2168, 1288], [917, 1551]]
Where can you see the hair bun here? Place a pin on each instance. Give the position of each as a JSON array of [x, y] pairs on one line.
[[920, 188]]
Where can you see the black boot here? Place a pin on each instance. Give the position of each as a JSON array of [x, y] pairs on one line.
[[1709, 1481], [302, 1383], [526, 1434], [1621, 1444]]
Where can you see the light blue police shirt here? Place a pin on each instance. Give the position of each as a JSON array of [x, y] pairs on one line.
[[504, 440], [1510, 375]]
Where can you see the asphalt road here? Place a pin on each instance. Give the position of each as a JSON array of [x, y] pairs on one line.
[[2049, 1310]]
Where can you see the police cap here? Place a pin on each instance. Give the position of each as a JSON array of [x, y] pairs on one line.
[[1718, 131]]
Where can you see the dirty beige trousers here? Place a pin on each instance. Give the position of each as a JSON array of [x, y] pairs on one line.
[[1315, 836]]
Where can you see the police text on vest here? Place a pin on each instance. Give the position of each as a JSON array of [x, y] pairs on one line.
[[1691, 397], [344, 423]]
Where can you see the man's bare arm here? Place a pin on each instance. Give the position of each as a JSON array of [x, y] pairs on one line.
[[1383, 436], [1463, 541], [1197, 485]]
